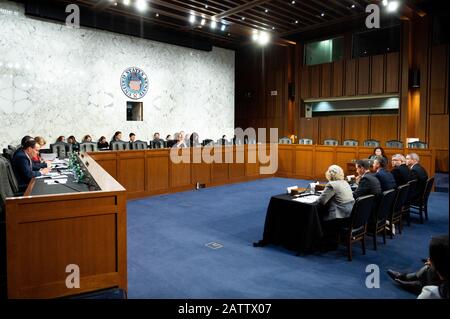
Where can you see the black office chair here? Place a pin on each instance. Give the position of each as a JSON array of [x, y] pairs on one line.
[[8, 154], [378, 221], [355, 230], [417, 144], [410, 199], [305, 141], [371, 143], [88, 147], [420, 205], [61, 149], [331, 142], [139, 145], [350, 142], [394, 144], [207, 142]]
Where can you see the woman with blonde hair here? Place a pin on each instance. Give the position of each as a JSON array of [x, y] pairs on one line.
[[337, 195], [38, 163]]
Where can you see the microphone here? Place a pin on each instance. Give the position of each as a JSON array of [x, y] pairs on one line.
[[57, 182]]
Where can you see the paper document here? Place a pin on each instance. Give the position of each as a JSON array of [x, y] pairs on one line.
[[48, 156], [307, 199], [55, 182]]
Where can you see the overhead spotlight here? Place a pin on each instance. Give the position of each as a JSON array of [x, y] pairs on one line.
[[267, 10], [322, 14], [264, 38], [206, 6], [243, 18], [203, 21], [141, 5], [255, 35], [273, 28], [223, 27], [392, 6], [296, 22], [157, 15], [385, 2], [293, 2], [213, 24], [352, 6], [192, 18], [126, 2]]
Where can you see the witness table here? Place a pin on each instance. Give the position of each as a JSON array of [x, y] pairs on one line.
[[292, 224]]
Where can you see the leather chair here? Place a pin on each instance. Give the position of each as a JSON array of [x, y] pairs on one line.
[[350, 142], [119, 146], [139, 145], [410, 198], [378, 221], [417, 144], [61, 149], [420, 206], [305, 141], [331, 142], [395, 218], [88, 147], [394, 144], [285, 140], [371, 143], [355, 230]]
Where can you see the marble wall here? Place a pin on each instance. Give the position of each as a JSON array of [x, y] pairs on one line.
[[55, 80]]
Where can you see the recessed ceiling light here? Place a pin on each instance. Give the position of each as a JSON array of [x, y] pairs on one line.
[[243, 18], [267, 10], [273, 28], [157, 14], [229, 34], [393, 6], [203, 22], [213, 24], [141, 5], [385, 2], [322, 14], [206, 6], [293, 2], [192, 18], [352, 6], [296, 21], [222, 28], [126, 2]]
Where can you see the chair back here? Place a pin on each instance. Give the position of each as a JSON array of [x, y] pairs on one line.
[[371, 143], [305, 141], [119, 146], [385, 204], [401, 198], [361, 212], [285, 140], [330, 142], [350, 142], [417, 144], [61, 149], [8, 154], [428, 187], [10, 174], [208, 142], [394, 144], [12, 148], [88, 147], [412, 191], [139, 145]]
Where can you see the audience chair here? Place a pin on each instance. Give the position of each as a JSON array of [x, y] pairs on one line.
[[394, 144], [355, 230], [371, 143], [411, 191], [417, 144], [8, 154], [119, 146], [88, 147], [12, 148], [285, 140], [139, 145], [331, 142], [305, 141], [350, 142], [207, 142], [420, 205], [378, 222], [395, 218]]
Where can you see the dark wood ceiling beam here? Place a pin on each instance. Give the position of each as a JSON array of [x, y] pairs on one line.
[[329, 6], [199, 9], [102, 4], [306, 6], [241, 8], [274, 19]]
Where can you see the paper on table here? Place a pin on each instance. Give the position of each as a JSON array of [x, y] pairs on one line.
[[307, 199], [54, 182], [59, 176]]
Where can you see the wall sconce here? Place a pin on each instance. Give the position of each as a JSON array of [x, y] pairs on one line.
[[414, 78]]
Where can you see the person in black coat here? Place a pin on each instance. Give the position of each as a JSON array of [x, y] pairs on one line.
[[387, 180], [399, 169], [417, 172], [368, 184], [23, 165]]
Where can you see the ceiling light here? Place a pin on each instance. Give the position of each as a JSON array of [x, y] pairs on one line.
[[267, 10], [213, 24], [393, 6], [322, 14], [203, 22], [243, 18], [222, 28], [157, 15], [385, 2], [126, 2], [141, 5], [206, 6], [263, 38], [293, 2], [352, 6], [192, 18], [273, 28], [296, 22]]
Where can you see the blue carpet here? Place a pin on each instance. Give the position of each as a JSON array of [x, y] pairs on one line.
[[168, 256], [441, 182]]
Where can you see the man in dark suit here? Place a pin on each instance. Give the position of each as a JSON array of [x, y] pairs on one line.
[[399, 169], [417, 172], [23, 165], [368, 184], [387, 180]]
